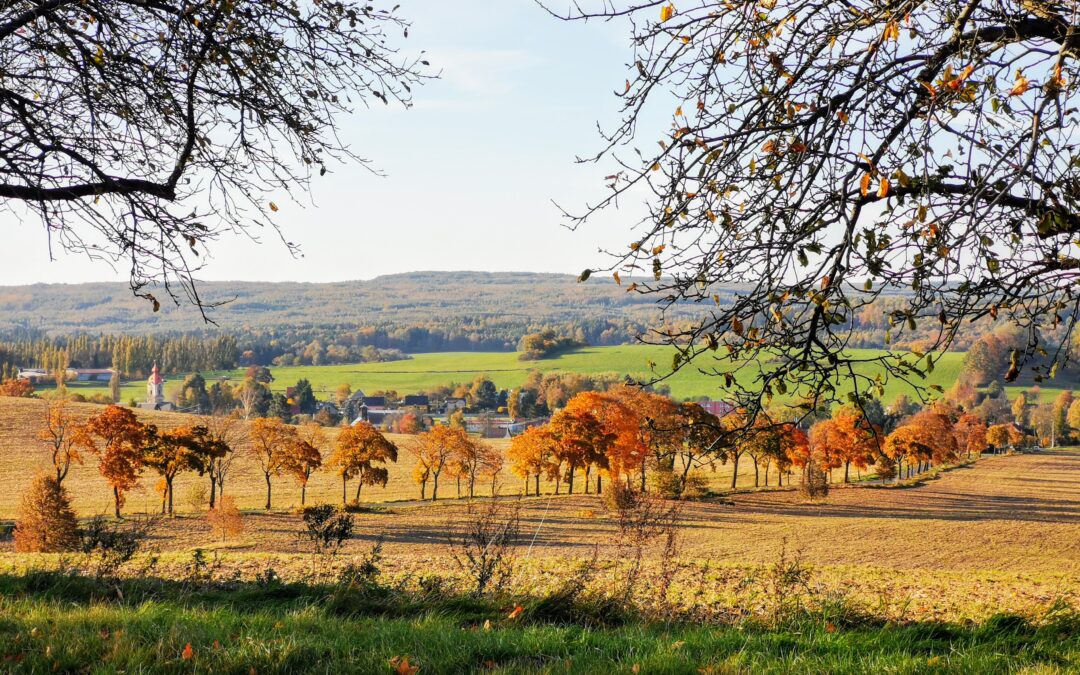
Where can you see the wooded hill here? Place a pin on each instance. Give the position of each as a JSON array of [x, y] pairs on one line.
[[494, 307]]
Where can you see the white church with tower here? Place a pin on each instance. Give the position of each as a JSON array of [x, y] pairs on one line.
[[155, 392]]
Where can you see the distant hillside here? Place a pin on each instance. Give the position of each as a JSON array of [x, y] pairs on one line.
[[417, 298]]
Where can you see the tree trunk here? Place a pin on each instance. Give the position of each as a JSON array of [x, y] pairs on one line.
[[423, 490], [757, 482], [213, 489], [599, 483], [345, 493], [734, 471], [303, 493], [570, 481], [643, 475], [267, 491], [116, 501], [435, 487], [168, 486], [537, 485], [359, 485], [847, 471], [588, 470], [472, 484], [687, 462], [768, 465]]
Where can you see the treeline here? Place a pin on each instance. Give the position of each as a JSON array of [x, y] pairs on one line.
[[132, 356]]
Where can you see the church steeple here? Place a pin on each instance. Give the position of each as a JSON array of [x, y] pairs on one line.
[[155, 387]]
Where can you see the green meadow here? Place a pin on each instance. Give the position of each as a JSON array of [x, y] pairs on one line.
[[643, 362]]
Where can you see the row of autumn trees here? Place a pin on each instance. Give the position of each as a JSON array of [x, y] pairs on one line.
[[626, 432], [125, 447]]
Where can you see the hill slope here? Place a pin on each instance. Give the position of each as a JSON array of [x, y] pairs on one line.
[[416, 298]]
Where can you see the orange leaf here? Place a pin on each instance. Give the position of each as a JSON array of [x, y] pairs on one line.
[[516, 612], [666, 12], [188, 652], [883, 188], [864, 185], [402, 666], [1021, 85], [273, 207]]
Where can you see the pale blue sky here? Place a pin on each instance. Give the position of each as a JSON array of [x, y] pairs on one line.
[[471, 170]]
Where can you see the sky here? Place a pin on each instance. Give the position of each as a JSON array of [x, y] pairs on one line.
[[471, 171]]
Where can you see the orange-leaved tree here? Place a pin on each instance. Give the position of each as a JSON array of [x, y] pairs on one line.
[[628, 435], [300, 461], [657, 425], [970, 432], [362, 452], [531, 452], [432, 450], [177, 450], [307, 454], [116, 437], [1004, 435], [61, 435], [582, 440], [269, 441]]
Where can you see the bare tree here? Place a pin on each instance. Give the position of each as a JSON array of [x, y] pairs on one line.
[[138, 131], [822, 155]]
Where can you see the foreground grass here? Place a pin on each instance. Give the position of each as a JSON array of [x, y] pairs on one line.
[[52, 622]]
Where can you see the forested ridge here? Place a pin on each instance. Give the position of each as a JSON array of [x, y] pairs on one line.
[[103, 325]]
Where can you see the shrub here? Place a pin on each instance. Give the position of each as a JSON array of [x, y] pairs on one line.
[[46, 522], [697, 486], [109, 545], [197, 496], [225, 519], [667, 483], [327, 528], [484, 546]]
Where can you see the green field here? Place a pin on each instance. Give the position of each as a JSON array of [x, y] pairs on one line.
[[425, 371]]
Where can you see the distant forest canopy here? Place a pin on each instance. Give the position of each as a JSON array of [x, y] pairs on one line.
[[100, 325]]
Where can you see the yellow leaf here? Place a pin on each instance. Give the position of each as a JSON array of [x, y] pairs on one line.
[[618, 279], [883, 188], [666, 12]]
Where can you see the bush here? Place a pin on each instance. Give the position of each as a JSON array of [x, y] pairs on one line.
[[109, 545], [667, 483], [225, 519], [197, 496], [46, 522], [327, 528]]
